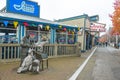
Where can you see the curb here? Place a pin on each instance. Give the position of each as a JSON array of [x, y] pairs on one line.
[[79, 70]]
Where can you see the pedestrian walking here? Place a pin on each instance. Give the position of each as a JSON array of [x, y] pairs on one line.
[[106, 43]]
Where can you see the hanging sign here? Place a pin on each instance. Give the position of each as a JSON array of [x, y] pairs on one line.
[[60, 26], [78, 28], [47, 27], [15, 23], [24, 7], [97, 27], [5, 23], [64, 29], [25, 24], [41, 26]]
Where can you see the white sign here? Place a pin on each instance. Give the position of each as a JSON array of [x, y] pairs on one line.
[[98, 27]]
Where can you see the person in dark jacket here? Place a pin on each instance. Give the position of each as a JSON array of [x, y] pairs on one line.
[[25, 44]]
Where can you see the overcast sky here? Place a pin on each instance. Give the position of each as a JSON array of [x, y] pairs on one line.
[[59, 9]]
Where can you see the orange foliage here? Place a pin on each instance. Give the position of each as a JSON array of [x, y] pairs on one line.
[[116, 18], [103, 38]]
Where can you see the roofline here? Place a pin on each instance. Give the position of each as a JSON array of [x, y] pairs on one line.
[[72, 18], [93, 17]]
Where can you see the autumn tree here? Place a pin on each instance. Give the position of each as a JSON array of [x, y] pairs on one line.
[[103, 38], [116, 18]]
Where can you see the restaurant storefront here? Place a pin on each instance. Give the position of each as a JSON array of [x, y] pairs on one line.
[[22, 17]]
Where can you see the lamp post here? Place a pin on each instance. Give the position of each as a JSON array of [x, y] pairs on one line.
[[116, 38]]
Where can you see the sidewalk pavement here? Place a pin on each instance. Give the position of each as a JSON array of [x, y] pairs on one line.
[[60, 68], [103, 65]]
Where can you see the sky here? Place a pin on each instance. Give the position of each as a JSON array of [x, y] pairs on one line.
[[59, 9]]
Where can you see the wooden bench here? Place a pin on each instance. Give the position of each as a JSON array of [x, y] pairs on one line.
[[43, 57], [42, 62]]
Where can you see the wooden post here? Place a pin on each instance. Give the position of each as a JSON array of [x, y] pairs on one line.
[[55, 50], [0, 53], [78, 47]]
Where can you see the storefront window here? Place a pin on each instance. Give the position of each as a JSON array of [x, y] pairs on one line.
[[61, 38], [33, 35], [71, 39], [38, 36], [8, 35], [45, 36]]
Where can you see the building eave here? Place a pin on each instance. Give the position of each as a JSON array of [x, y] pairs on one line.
[[30, 19]]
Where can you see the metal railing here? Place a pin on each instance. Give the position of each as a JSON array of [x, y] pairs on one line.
[[11, 52]]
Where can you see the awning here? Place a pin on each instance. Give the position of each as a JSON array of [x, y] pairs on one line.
[[23, 18]]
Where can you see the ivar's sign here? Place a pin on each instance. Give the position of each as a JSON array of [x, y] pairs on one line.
[[23, 7]]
